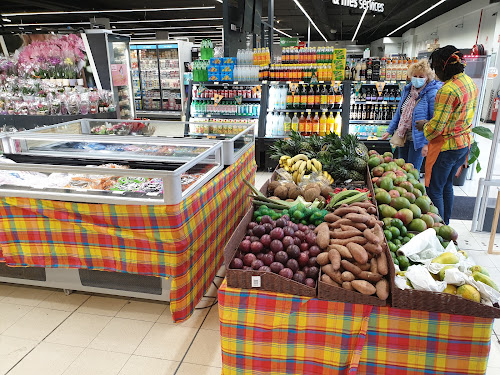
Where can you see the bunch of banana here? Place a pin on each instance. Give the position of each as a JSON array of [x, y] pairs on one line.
[[328, 177], [301, 165]]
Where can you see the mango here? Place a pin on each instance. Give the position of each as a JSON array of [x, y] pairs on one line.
[[446, 258], [466, 256], [450, 289], [481, 269], [478, 276], [469, 292]]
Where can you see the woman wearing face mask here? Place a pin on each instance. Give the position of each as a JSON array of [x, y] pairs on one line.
[[417, 103], [449, 130]]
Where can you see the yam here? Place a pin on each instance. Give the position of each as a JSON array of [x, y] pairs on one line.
[[364, 287], [373, 265], [343, 251], [363, 267], [370, 236], [328, 280], [357, 239], [335, 259], [371, 210], [357, 218], [334, 275], [382, 266], [281, 192], [370, 276], [323, 236], [359, 226], [349, 210], [365, 204], [340, 222], [345, 234], [348, 266], [331, 218], [323, 259], [348, 276], [350, 227], [373, 248], [358, 252], [382, 289], [347, 285], [377, 231]]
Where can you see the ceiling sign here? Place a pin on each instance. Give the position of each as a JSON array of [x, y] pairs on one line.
[[361, 4]]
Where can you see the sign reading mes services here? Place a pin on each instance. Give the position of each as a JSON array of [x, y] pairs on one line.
[[361, 4]]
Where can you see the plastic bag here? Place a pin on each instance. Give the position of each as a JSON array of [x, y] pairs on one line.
[[422, 247], [312, 178], [283, 176], [421, 279]]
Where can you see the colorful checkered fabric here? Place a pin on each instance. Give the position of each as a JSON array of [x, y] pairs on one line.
[[273, 333], [454, 110], [184, 241]]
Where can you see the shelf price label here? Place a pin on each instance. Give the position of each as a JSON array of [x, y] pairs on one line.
[[380, 87], [201, 88], [293, 86], [239, 99], [257, 89], [217, 99]]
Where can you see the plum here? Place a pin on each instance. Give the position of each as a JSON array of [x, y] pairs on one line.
[[297, 241], [310, 282], [256, 264], [301, 235], [252, 225], [293, 251], [259, 231], [266, 219], [256, 247], [304, 246], [303, 259], [312, 261], [281, 223], [299, 276], [313, 272], [314, 250], [310, 238], [268, 227], [288, 231], [265, 269], [287, 241], [266, 240], [267, 259], [278, 234], [293, 265]]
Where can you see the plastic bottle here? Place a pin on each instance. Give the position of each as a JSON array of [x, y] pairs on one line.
[[330, 123], [322, 124], [315, 124], [281, 125], [338, 124], [287, 124], [295, 123], [302, 124], [358, 71], [309, 124]]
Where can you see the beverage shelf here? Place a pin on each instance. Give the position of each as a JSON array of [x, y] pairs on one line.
[[375, 102], [380, 122], [304, 110], [255, 100], [224, 116], [390, 82], [233, 83]]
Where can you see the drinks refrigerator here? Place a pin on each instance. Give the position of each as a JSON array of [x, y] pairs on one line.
[[158, 77]]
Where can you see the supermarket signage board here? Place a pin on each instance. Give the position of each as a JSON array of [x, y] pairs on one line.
[[289, 42], [361, 4]]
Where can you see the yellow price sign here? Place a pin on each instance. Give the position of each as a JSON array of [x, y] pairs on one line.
[[217, 99], [257, 89]]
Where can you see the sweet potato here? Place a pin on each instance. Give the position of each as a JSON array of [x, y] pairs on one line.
[[377, 231], [323, 259], [335, 259], [370, 276], [358, 252], [365, 204], [372, 248], [322, 225], [349, 210], [348, 276], [348, 266], [338, 223], [331, 218], [345, 235], [359, 226], [382, 266], [373, 265], [334, 275], [364, 287], [350, 227], [328, 280], [363, 267], [347, 285], [371, 210], [370, 236], [357, 218], [382, 289], [343, 251], [358, 240], [323, 236]]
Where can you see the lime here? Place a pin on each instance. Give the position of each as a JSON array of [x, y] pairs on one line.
[[258, 219], [292, 210], [307, 212], [395, 232], [393, 255], [388, 234], [318, 222], [298, 215], [411, 235], [300, 207], [263, 207], [392, 246], [284, 212], [397, 241], [404, 263], [403, 231], [304, 221], [397, 223], [275, 216], [406, 239], [396, 261]]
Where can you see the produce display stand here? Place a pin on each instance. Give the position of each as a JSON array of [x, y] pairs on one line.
[[273, 333], [181, 241]]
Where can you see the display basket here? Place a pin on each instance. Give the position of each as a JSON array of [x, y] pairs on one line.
[[245, 279]]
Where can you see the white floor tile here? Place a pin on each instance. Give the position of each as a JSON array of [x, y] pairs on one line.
[[137, 365], [191, 369], [28, 295], [206, 349], [166, 341], [12, 350], [47, 359], [489, 371], [468, 243], [212, 321], [6, 290], [60, 301], [98, 305], [121, 335], [97, 362], [37, 324], [79, 329], [482, 259], [140, 310], [194, 321], [9, 314]]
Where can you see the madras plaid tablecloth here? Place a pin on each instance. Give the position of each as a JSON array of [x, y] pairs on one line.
[[184, 241], [273, 333]]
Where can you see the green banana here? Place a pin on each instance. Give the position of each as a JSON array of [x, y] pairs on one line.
[[355, 198]]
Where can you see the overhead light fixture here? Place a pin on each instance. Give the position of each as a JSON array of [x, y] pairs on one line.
[[195, 32], [359, 25], [169, 28], [282, 32], [220, 1], [173, 20], [47, 24], [6, 20], [310, 19], [22, 14], [414, 18]]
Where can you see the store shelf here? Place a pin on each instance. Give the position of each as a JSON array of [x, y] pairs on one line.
[[372, 122], [159, 113], [375, 102], [234, 83], [255, 100], [304, 82], [375, 82], [304, 110], [225, 116]]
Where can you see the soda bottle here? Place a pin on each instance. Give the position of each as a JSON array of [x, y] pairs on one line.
[[309, 124], [311, 98], [315, 124], [331, 97], [296, 99], [287, 124], [317, 97], [330, 123], [322, 124], [324, 98], [302, 124], [338, 124], [295, 123], [303, 98], [289, 99]]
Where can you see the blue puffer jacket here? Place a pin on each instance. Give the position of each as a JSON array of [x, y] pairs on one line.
[[424, 110]]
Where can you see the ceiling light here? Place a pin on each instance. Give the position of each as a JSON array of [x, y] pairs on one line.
[[282, 32], [174, 20], [414, 18], [6, 20], [359, 25], [220, 1], [310, 19], [169, 28], [47, 24], [106, 11]]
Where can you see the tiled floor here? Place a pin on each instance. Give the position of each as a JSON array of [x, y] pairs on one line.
[[45, 332]]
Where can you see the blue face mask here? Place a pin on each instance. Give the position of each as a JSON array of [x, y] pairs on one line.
[[418, 82]]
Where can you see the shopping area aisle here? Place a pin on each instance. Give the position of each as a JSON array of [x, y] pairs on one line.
[[45, 332]]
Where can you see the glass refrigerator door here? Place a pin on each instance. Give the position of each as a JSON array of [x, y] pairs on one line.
[[150, 83], [119, 60], [170, 78], [136, 82]]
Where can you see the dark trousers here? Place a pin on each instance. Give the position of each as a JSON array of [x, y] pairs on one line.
[[441, 186], [411, 155]]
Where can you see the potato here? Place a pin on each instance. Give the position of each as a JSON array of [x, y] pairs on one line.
[[345, 234], [365, 204], [382, 289], [357, 218], [357, 239], [373, 265], [348, 266], [323, 259], [347, 285], [331, 218], [358, 252], [335, 275], [348, 210], [370, 276], [364, 287], [363, 267], [370, 236], [335, 259], [348, 276], [372, 248]]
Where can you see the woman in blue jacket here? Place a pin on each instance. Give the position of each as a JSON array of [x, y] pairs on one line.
[[417, 103]]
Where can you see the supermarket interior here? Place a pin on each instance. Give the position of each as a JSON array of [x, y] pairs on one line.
[[249, 187]]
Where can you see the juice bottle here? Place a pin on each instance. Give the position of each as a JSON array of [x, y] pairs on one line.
[[330, 123], [311, 98], [399, 72], [287, 124], [338, 124], [383, 67], [289, 99], [309, 124], [322, 124], [331, 97], [295, 123], [317, 97], [296, 98], [315, 124], [324, 98], [303, 98], [302, 124]]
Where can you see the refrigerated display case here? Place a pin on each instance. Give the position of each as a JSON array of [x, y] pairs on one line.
[[158, 77]]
